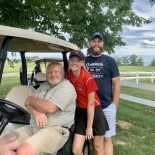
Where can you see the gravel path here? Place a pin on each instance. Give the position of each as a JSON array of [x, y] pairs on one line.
[[10, 74], [13, 74]]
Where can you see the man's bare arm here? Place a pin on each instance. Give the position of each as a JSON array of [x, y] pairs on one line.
[[44, 106], [41, 118], [116, 89], [30, 109]]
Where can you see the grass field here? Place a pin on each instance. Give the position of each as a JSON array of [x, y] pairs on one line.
[[30, 67], [136, 68], [144, 81], [6, 84], [135, 129], [141, 93]]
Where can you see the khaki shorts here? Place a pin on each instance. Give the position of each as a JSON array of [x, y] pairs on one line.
[[45, 141]]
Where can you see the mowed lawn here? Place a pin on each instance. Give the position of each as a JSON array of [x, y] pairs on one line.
[[30, 66], [15, 68], [136, 92], [136, 68], [135, 122], [7, 83], [135, 129]]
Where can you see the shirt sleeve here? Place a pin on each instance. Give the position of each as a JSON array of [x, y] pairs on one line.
[[37, 92], [42, 90], [114, 69], [91, 85]]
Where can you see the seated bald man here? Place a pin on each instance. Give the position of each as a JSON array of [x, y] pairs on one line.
[[52, 109]]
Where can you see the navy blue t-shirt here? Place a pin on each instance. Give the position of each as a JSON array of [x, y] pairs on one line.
[[103, 69]]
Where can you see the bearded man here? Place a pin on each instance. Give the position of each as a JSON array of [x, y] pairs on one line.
[[106, 74]]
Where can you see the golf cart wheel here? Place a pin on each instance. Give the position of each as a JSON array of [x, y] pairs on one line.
[[86, 148]]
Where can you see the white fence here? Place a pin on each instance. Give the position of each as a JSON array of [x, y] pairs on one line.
[[137, 75]]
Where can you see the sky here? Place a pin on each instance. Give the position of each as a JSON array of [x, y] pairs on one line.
[[139, 40]]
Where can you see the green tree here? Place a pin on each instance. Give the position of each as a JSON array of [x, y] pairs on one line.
[[125, 60], [15, 60], [152, 1], [140, 62], [152, 62], [77, 19], [29, 59], [133, 60], [118, 61], [34, 58]]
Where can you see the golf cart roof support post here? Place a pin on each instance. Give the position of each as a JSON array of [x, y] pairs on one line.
[[3, 54], [24, 68], [64, 54], [45, 63]]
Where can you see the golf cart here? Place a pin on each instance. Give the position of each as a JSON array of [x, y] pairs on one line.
[[48, 60], [12, 111]]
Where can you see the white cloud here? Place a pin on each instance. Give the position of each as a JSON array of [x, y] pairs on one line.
[[152, 19], [143, 9], [140, 35], [147, 42], [143, 27], [137, 49]]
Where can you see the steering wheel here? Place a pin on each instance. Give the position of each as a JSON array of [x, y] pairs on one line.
[[10, 111]]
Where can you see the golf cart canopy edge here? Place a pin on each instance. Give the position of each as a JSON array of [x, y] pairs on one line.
[[49, 59], [29, 41]]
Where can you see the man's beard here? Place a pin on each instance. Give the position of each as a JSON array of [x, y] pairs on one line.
[[54, 82], [96, 52]]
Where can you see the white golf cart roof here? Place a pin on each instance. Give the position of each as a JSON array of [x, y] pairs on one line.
[[29, 41], [50, 59]]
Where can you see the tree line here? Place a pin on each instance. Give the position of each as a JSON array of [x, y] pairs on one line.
[[132, 60], [28, 59]]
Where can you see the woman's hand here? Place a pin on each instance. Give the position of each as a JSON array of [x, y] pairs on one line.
[[89, 133]]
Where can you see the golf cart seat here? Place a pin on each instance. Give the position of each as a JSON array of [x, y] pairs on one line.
[[40, 77], [19, 93]]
